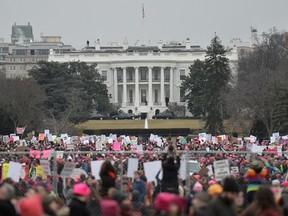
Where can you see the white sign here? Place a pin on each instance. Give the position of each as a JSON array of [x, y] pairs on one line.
[[99, 146], [221, 169], [14, 171], [182, 170], [68, 169], [193, 166], [70, 146], [151, 169], [257, 149], [234, 171], [132, 167], [95, 168], [46, 132], [77, 172], [45, 167]]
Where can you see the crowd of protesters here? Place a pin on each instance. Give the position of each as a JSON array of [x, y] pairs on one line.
[[259, 188]]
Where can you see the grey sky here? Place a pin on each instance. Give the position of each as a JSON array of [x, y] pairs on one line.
[[113, 20]]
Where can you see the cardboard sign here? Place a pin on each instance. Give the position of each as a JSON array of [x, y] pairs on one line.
[[35, 153], [14, 171], [193, 166], [203, 171], [234, 171], [151, 169], [117, 146], [95, 168], [221, 169], [45, 167], [5, 168], [68, 169], [41, 137], [132, 167]]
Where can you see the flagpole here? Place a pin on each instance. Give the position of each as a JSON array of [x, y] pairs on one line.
[[143, 16]]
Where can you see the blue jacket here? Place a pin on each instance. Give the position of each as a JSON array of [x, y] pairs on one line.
[[140, 186]]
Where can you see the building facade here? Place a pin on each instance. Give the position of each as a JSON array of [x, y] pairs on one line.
[[23, 57], [142, 79]]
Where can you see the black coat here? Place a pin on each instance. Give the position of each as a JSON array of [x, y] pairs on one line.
[[7, 208], [221, 207], [170, 182], [77, 208], [107, 182]]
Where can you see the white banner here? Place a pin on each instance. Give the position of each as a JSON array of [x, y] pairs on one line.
[[221, 169], [132, 167]]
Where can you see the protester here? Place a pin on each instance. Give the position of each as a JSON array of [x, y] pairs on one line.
[[170, 167], [139, 186], [108, 177], [224, 204], [6, 197], [263, 204], [80, 199]]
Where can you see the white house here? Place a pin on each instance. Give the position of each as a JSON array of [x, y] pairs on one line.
[[143, 79]]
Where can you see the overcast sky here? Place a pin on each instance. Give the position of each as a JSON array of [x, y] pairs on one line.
[[168, 20]]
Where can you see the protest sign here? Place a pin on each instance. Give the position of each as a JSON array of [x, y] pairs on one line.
[[59, 154], [25, 172], [5, 168], [193, 166], [68, 169], [14, 171], [183, 166], [6, 139], [132, 167], [99, 146], [257, 149], [221, 169], [210, 172], [70, 146], [46, 132], [139, 148], [35, 153], [46, 154], [45, 167], [234, 171], [41, 137], [95, 168], [151, 169], [117, 146]]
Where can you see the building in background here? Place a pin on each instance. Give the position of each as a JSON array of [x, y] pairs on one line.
[[4, 51], [23, 57], [144, 80], [22, 34]]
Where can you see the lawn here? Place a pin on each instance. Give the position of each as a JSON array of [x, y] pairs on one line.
[[135, 124]]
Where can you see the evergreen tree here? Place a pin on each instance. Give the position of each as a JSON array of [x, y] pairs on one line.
[[218, 75], [205, 85]]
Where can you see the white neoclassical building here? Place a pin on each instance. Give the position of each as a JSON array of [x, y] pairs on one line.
[[143, 79]]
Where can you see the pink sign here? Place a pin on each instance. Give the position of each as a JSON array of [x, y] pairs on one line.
[[46, 153], [35, 153], [117, 146]]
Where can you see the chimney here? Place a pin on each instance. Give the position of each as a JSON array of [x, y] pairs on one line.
[[188, 43], [97, 44], [254, 37], [160, 44]]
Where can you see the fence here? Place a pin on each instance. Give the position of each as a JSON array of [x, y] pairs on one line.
[[202, 162]]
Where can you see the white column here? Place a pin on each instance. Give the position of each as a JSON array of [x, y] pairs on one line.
[[124, 102], [171, 86], [136, 102], [162, 89], [115, 86], [150, 100]]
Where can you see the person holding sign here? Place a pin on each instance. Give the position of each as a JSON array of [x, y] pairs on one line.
[[170, 166]]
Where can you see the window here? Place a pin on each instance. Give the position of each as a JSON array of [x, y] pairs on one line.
[[143, 96], [130, 75], [143, 75], [104, 75], [14, 67], [182, 74], [156, 95], [182, 96], [120, 76], [167, 75], [130, 96], [156, 75]]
